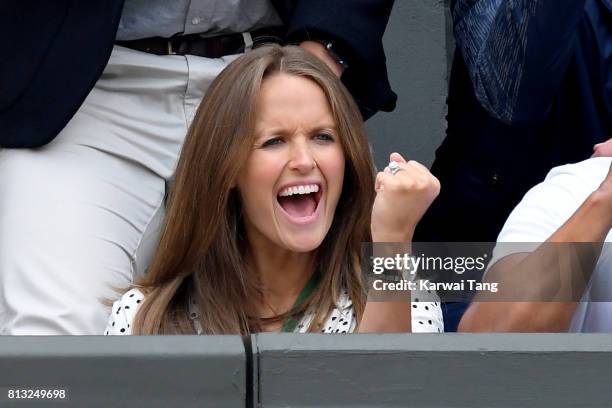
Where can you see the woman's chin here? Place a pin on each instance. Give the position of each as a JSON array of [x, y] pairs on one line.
[[303, 244]]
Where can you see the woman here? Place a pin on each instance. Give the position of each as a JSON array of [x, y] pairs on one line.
[[274, 194]]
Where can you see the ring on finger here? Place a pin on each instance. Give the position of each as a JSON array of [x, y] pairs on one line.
[[394, 167]]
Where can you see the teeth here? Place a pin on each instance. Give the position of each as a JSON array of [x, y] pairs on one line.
[[303, 189]]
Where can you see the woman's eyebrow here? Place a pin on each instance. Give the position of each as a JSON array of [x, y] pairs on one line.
[[328, 127], [268, 131], [265, 131]]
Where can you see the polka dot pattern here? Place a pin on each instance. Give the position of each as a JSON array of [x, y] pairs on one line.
[[426, 316], [123, 313]]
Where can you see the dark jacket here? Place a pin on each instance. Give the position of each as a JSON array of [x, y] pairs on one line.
[[531, 89], [55, 51]]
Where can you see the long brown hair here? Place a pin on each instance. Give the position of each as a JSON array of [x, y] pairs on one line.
[[201, 254]]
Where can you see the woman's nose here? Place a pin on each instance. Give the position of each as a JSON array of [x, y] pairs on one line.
[[302, 158]]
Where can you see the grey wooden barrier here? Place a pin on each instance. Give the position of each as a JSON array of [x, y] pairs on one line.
[[155, 371], [281, 370], [451, 370]]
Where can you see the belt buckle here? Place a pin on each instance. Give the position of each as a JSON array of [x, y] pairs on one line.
[[169, 47]]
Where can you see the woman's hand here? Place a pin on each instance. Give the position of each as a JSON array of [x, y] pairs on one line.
[[401, 200]]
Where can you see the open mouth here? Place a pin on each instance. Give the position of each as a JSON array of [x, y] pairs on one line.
[[300, 202]]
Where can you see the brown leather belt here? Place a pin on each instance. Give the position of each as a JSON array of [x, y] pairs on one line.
[[209, 47]]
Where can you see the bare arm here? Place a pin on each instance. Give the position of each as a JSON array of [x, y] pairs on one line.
[[590, 223], [401, 201]]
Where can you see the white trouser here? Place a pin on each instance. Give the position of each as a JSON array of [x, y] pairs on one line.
[[82, 214]]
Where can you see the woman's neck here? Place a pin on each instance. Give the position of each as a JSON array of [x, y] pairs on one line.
[[283, 275]]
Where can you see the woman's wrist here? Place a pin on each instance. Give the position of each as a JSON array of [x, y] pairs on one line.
[[392, 236]]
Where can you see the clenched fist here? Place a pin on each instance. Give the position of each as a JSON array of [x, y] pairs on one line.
[[401, 200]]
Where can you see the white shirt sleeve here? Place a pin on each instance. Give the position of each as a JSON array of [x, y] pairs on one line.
[[122, 315], [548, 205]]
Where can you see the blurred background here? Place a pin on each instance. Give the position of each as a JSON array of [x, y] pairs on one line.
[[418, 43]]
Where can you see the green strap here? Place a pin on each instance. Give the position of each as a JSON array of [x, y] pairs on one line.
[[290, 322]]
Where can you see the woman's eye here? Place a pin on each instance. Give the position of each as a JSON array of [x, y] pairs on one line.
[[326, 137], [272, 142]]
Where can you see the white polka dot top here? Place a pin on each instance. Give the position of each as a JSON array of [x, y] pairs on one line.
[[426, 316]]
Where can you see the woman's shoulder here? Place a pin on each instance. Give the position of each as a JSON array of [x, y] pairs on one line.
[[123, 312]]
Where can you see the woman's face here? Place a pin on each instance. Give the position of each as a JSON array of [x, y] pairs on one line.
[[292, 180]]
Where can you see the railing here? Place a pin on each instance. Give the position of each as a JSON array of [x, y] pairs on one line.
[[279, 370]]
